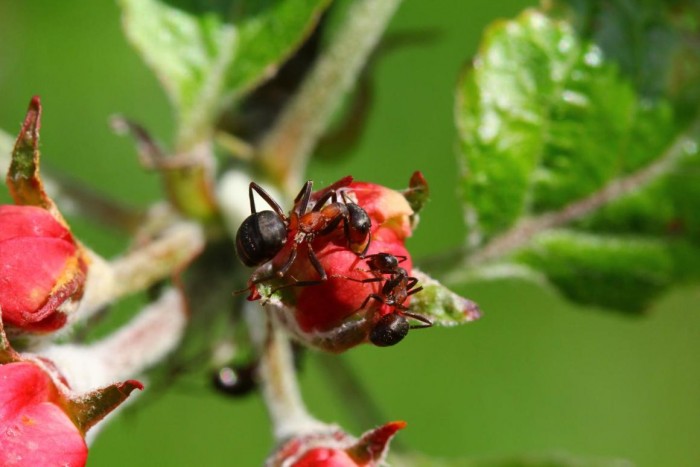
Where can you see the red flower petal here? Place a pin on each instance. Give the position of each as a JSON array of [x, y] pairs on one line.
[[324, 306], [386, 207], [326, 457], [34, 430], [30, 221]]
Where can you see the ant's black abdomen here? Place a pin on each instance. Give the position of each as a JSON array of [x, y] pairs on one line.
[[389, 330], [260, 237]]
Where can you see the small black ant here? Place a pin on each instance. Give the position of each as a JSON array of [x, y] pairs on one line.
[[235, 380], [391, 328], [262, 235]]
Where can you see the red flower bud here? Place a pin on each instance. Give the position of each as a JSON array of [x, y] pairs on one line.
[[337, 449], [340, 312], [42, 269], [325, 457], [327, 305], [387, 208], [34, 428]]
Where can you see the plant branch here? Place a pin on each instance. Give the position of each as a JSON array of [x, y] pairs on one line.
[[285, 150], [158, 260], [129, 351], [280, 387], [6, 144]]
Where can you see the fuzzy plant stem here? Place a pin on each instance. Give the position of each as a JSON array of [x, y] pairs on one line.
[[6, 143], [280, 387], [128, 352], [141, 268], [284, 152]]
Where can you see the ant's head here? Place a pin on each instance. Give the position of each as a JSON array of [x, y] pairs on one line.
[[260, 237], [359, 227], [383, 262], [389, 330]]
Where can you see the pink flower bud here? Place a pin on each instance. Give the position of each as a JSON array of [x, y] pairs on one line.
[[337, 449], [327, 305], [42, 269], [340, 312], [34, 428], [325, 457], [387, 208]]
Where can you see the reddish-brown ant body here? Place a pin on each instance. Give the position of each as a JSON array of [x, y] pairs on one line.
[[391, 328], [263, 234]]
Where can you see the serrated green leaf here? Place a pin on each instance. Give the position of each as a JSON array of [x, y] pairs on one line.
[[553, 134], [207, 53], [652, 41], [545, 121]]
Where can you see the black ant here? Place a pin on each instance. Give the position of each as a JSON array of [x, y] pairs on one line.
[[262, 235], [392, 327], [235, 380]]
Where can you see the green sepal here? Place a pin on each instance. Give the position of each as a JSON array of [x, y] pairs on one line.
[[88, 409], [440, 305]]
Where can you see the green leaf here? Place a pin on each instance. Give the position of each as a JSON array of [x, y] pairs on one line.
[[545, 121], [652, 42], [622, 273], [440, 305], [558, 130], [208, 53]]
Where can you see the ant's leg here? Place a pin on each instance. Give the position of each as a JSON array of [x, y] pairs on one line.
[[410, 283], [287, 264], [316, 263], [341, 216], [297, 284], [264, 195], [426, 322], [322, 200], [301, 201], [363, 281], [371, 296]]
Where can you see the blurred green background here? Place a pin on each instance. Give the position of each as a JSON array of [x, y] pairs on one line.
[[535, 375]]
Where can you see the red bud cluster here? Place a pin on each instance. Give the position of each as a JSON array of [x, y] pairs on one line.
[[340, 312]]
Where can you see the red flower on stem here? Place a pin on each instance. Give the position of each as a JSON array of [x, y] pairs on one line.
[[342, 311], [337, 449], [42, 269], [34, 428]]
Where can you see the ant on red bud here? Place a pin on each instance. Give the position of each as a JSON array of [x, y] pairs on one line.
[[391, 328], [262, 235]]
